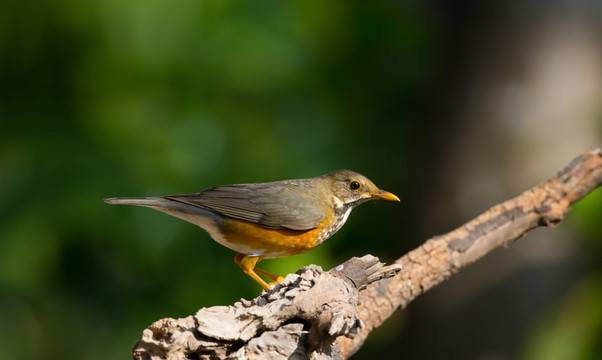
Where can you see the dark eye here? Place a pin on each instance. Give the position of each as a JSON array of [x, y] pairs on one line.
[[354, 185]]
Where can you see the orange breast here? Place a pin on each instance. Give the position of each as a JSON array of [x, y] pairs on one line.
[[270, 243]]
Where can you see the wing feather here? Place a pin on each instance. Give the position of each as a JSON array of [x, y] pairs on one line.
[[277, 205]]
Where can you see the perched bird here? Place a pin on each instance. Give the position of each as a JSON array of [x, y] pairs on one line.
[[269, 220]]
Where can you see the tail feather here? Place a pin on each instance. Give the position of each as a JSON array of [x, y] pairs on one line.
[[139, 201], [193, 214]]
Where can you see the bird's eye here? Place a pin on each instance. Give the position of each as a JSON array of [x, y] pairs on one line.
[[354, 185]]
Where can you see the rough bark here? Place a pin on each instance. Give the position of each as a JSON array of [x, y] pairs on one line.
[[328, 315], [299, 319]]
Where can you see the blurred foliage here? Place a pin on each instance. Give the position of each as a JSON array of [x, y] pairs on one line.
[[110, 98], [573, 329]]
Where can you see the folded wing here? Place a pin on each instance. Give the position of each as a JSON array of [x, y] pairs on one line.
[[273, 205]]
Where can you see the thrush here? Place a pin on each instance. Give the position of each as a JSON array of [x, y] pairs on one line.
[[269, 220]]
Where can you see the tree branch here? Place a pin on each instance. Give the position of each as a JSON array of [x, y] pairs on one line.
[[328, 315]]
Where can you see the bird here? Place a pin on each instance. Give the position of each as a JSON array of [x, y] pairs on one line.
[[272, 219]]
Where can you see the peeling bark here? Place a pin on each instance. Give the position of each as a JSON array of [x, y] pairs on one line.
[[299, 319]]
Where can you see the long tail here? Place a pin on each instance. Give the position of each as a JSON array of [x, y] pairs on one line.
[[190, 213], [140, 201]]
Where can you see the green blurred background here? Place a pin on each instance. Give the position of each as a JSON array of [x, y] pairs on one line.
[[452, 107]]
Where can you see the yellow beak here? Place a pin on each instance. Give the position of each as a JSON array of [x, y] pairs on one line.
[[385, 195]]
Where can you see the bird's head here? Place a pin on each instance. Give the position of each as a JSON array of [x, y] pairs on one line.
[[353, 189]]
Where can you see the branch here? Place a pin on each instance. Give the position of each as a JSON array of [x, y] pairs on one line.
[[328, 315], [302, 315], [442, 256]]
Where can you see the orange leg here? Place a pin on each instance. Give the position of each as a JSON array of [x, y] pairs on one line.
[[276, 278], [247, 264]]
